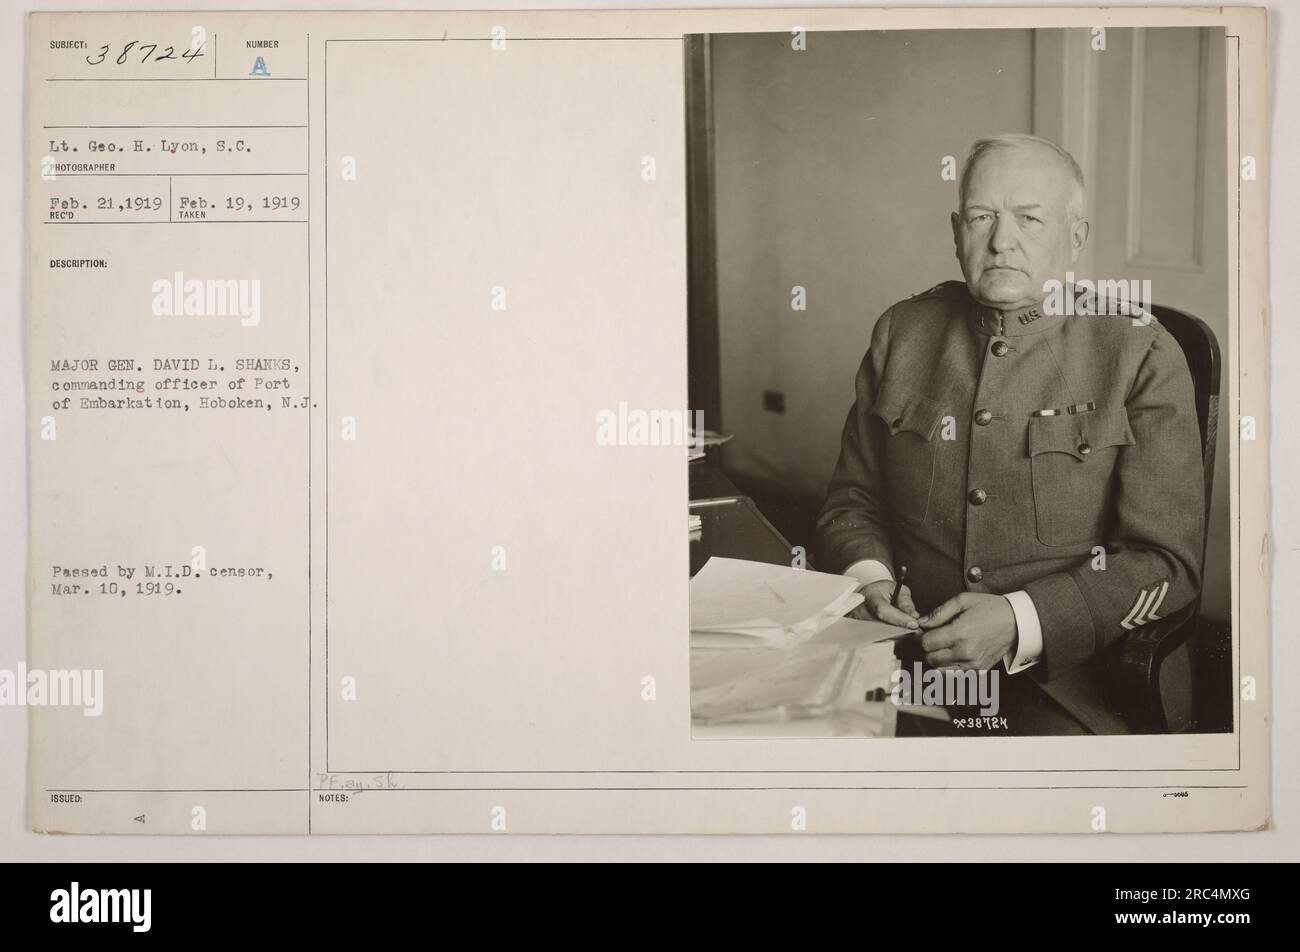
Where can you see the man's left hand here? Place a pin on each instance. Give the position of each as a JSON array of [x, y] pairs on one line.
[[969, 631]]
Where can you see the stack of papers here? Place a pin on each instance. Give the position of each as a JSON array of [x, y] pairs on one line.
[[741, 604], [816, 680], [696, 442], [771, 655], [706, 437], [694, 523]]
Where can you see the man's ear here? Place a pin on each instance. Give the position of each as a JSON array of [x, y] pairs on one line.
[[956, 234], [1078, 238]]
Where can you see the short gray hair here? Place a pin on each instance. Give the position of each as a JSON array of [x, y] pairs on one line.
[[1017, 140]]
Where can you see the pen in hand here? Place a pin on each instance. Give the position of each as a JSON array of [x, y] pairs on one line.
[[898, 585]]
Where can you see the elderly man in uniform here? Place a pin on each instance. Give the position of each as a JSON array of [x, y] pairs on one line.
[[1039, 475]]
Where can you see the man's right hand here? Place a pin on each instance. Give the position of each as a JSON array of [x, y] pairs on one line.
[[876, 605]]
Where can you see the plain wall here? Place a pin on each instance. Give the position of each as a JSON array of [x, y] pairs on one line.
[[828, 176]]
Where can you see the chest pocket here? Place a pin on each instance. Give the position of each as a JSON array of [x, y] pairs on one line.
[[1072, 458], [911, 422]]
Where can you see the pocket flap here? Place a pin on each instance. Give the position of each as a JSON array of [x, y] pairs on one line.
[[912, 412], [1080, 434]]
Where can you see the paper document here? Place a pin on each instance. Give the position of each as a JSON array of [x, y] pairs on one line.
[[737, 603], [772, 684]]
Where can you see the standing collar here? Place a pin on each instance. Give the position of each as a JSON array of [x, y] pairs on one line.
[[1012, 323]]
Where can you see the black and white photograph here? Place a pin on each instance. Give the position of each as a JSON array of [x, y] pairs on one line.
[[958, 323], [362, 360]]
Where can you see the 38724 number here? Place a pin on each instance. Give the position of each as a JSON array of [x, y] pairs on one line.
[[133, 48]]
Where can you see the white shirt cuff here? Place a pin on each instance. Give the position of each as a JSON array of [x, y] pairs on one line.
[[1029, 634], [869, 571]]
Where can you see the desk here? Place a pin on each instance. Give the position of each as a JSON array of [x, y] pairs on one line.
[[708, 481], [733, 527]]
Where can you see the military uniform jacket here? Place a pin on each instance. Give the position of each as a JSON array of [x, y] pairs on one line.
[[1000, 451]]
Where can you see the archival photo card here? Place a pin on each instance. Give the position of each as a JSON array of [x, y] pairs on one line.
[[375, 360]]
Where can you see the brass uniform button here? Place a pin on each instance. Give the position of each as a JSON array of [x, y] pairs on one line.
[[983, 417], [978, 497], [1084, 449], [999, 348], [974, 573]]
